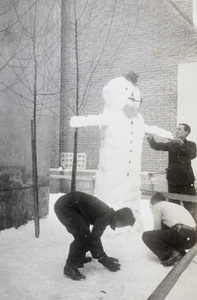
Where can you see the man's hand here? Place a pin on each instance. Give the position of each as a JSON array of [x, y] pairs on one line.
[[111, 263]]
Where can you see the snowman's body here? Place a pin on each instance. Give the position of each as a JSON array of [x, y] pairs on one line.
[[122, 133], [118, 177]]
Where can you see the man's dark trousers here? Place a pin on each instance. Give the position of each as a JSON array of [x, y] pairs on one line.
[[78, 228], [163, 242]]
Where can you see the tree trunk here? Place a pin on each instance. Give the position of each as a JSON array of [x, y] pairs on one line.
[[74, 167], [35, 180], [63, 76], [34, 137]]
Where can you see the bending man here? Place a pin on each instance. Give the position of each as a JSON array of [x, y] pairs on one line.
[[77, 211]]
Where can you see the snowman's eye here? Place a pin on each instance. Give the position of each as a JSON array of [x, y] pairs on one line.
[[126, 89]]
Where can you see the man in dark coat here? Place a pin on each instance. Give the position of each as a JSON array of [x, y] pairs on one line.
[[174, 231], [77, 211], [179, 173]]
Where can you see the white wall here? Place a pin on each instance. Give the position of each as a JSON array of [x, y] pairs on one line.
[[187, 101], [195, 13]]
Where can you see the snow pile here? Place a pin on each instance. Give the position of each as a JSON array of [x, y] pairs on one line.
[[31, 268]]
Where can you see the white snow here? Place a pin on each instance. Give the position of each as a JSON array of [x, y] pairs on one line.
[[32, 268]]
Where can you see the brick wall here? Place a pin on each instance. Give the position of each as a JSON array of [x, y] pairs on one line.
[[150, 37]]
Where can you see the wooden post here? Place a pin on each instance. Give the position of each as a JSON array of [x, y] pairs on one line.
[[171, 278]]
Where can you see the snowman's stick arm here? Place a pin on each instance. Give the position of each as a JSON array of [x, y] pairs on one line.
[[90, 120], [155, 130]]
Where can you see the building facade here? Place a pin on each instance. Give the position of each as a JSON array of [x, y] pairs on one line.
[[152, 38]]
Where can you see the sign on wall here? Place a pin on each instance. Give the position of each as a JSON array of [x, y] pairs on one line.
[[67, 160]]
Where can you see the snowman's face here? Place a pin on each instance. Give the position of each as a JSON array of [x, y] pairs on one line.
[[119, 93]]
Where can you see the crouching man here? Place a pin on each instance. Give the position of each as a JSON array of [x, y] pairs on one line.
[[77, 211], [174, 231]]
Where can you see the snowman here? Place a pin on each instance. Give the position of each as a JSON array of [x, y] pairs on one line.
[[122, 131]]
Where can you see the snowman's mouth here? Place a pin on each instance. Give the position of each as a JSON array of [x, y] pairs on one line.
[[134, 100]]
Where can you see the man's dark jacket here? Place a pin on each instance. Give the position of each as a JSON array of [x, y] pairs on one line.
[[93, 211], [179, 171]]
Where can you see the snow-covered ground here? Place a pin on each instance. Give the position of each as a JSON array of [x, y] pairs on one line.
[[32, 268]]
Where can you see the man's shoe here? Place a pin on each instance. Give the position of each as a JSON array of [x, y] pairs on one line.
[[183, 252], [87, 259], [172, 259], [73, 272]]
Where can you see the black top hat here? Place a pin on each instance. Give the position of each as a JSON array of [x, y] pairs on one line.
[[131, 76]]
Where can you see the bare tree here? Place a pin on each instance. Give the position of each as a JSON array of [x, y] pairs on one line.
[[29, 40]]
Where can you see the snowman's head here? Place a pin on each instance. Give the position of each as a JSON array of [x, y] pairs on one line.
[[122, 92]]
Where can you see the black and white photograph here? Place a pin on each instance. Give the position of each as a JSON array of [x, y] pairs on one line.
[[98, 135]]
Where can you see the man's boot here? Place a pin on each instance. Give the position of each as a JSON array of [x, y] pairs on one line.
[[80, 263], [72, 272], [172, 259]]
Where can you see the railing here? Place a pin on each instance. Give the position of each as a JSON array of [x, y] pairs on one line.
[[173, 196]]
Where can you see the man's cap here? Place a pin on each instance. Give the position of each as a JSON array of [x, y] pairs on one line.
[[131, 76], [125, 216]]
